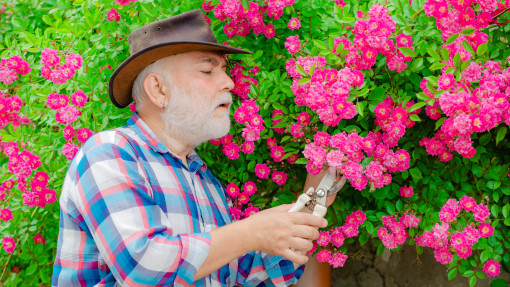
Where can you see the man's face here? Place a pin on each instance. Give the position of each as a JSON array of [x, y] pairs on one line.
[[200, 101]]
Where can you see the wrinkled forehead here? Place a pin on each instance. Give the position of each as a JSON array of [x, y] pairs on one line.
[[199, 57]]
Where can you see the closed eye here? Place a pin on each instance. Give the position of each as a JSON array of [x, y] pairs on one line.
[[206, 72]]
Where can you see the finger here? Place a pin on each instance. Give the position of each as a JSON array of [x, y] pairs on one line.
[[282, 208], [301, 218], [295, 257], [306, 232], [302, 244]]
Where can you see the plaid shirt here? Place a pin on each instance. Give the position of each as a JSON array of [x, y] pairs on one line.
[[132, 214]]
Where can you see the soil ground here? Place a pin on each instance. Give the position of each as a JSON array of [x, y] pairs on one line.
[[400, 269]]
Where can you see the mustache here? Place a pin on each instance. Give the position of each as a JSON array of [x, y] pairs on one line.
[[225, 97]]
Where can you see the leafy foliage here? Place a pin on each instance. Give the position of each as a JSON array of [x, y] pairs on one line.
[[81, 27]]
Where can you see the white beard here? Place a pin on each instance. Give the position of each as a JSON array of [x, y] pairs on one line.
[[189, 118]]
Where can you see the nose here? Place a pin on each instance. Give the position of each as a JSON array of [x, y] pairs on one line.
[[228, 83]]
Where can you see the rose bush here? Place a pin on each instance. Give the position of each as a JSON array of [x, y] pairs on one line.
[[408, 98]]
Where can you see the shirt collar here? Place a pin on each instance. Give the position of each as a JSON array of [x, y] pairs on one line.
[[152, 140]]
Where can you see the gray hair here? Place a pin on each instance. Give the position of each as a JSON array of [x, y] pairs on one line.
[[138, 92]]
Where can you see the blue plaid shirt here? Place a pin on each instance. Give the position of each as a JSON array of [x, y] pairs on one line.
[[132, 214]]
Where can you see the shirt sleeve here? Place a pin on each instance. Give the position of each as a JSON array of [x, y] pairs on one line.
[[132, 233], [261, 269]]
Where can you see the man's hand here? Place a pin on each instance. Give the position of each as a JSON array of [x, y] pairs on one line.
[[279, 232]]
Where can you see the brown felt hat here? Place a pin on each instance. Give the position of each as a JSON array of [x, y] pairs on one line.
[[182, 33]]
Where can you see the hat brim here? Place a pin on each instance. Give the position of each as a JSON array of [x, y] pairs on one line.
[[121, 82]]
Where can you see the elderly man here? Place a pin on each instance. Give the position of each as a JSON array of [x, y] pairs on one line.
[[138, 205]]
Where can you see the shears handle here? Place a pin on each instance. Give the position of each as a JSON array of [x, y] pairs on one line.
[[300, 204], [302, 200]]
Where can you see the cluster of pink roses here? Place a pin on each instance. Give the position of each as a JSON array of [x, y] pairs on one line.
[[124, 2], [371, 38], [56, 72], [454, 16], [346, 151], [336, 237], [241, 21], [443, 239], [394, 120], [468, 109], [10, 68], [66, 113], [230, 149], [292, 44], [239, 208], [262, 170], [21, 164], [243, 82], [70, 149], [9, 108], [8, 244], [247, 114], [406, 191], [113, 15], [397, 233], [5, 214], [298, 129], [327, 91]]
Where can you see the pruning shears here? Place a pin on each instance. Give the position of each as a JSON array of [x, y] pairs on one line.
[[315, 199]]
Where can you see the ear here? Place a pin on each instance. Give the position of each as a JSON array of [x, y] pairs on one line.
[[156, 90]]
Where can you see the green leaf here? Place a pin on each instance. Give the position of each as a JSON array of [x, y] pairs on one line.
[[416, 106], [477, 170], [320, 44], [452, 273], [363, 238], [245, 4], [415, 118], [505, 210], [485, 139], [494, 210], [258, 54], [304, 81], [468, 31], [445, 55], [300, 70], [501, 134], [468, 47], [369, 226], [472, 281], [440, 122], [481, 49], [96, 37], [434, 54], [484, 256], [407, 51], [451, 39], [360, 108], [390, 207], [301, 160], [456, 62], [418, 63], [347, 20], [436, 66], [399, 205], [415, 173]]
